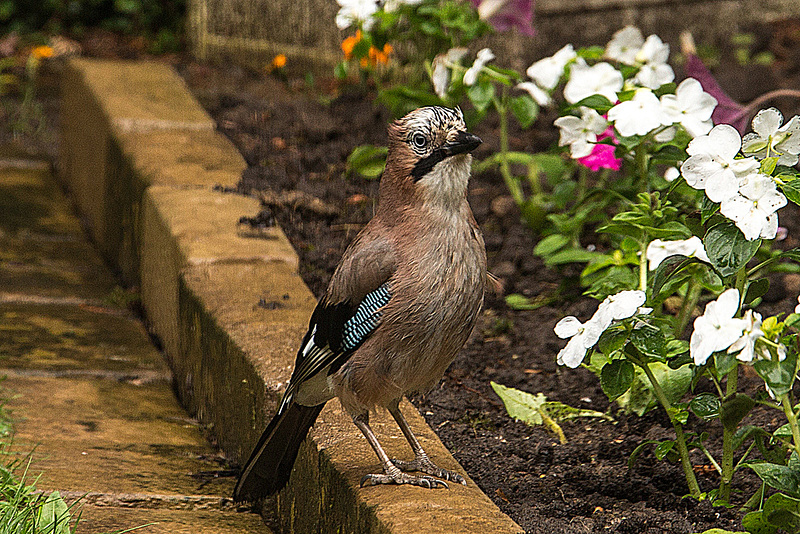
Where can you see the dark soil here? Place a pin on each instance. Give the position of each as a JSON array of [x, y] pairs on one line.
[[296, 143]]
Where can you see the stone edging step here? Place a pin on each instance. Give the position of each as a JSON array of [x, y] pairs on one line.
[[142, 160]]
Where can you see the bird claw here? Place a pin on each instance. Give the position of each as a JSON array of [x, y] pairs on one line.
[[403, 478], [428, 467]]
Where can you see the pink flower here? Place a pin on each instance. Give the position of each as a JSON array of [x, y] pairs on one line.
[[602, 155], [506, 14]]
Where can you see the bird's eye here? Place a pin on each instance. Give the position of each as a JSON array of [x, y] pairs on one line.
[[419, 140]]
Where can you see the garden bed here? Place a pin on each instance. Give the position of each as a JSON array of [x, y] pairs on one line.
[[297, 145]]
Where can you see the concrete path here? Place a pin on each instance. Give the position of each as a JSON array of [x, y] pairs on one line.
[[90, 391]]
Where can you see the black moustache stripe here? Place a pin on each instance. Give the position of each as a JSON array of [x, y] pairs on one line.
[[427, 163]]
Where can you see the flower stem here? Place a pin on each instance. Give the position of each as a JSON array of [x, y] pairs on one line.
[[727, 442], [643, 264], [505, 169], [792, 417], [693, 291], [680, 438]]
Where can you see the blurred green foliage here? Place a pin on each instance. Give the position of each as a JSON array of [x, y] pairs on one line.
[[160, 21]]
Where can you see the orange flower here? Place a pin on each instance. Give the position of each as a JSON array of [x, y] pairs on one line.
[[350, 43], [279, 61], [380, 56], [42, 52]]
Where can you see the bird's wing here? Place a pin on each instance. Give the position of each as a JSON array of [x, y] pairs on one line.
[[348, 314]]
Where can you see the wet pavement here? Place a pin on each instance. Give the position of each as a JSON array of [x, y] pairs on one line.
[[88, 390]]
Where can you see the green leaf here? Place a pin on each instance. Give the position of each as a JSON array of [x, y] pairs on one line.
[[537, 410], [791, 190], [672, 230], [792, 254], [724, 363], [650, 341], [783, 512], [728, 249], [768, 165], [707, 209], [550, 244], [515, 301], [616, 377], [572, 255], [481, 95], [641, 398], [521, 405], [779, 376], [779, 477], [612, 339], [756, 289], [597, 102], [54, 516], [525, 110], [663, 449], [755, 523], [668, 269], [705, 406], [734, 409], [367, 160]]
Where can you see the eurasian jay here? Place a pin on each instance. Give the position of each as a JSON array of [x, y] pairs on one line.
[[402, 302]]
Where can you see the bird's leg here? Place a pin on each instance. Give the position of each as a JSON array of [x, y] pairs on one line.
[[421, 462], [392, 475]]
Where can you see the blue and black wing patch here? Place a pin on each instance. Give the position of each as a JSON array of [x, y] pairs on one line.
[[335, 331]]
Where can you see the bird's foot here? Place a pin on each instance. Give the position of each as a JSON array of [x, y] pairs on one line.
[[424, 465], [403, 478]]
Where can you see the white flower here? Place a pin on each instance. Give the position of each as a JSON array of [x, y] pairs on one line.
[[671, 174], [580, 133], [484, 56], [716, 329], [637, 116], [746, 345], [541, 96], [769, 138], [711, 165], [355, 11], [690, 106], [624, 45], [584, 335], [654, 50], [599, 79], [753, 207], [392, 5], [440, 73], [620, 306], [797, 308], [654, 75], [547, 72], [658, 250]]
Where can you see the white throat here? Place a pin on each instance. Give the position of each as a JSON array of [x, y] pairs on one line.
[[445, 186]]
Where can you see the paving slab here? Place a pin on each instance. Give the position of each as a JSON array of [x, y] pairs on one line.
[[111, 437], [101, 519], [87, 390], [30, 200], [55, 266], [63, 339]]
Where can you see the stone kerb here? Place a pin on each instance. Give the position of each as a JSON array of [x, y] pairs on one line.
[[143, 161]]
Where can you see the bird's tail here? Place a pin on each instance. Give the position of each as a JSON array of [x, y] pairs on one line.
[[268, 469]]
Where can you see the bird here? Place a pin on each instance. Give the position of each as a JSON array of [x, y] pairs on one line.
[[401, 303]]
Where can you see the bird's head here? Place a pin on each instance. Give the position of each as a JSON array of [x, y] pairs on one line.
[[429, 154]]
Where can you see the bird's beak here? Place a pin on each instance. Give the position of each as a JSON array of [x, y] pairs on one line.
[[463, 143]]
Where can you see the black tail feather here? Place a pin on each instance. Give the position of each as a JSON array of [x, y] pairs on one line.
[[268, 469]]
